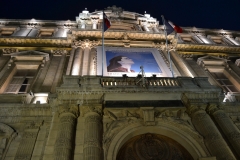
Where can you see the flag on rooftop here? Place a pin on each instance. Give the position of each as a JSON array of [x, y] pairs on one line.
[[170, 27], [175, 27], [106, 22]]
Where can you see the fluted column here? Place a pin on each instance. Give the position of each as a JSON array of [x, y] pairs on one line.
[[212, 137], [93, 62], [94, 22], [92, 148], [86, 55], [86, 46], [77, 62], [70, 62], [64, 146], [227, 126]]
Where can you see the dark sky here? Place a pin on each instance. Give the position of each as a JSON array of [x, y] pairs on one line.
[[213, 14]]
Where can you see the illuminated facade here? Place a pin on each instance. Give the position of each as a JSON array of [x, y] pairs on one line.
[[62, 97]]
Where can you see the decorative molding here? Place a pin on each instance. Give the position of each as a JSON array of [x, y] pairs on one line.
[[37, 41], [59, 51], [85, 43], [9, 50], [207, 48]]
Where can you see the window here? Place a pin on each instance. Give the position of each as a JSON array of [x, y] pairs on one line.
[[21, 82], [224, 40], [224, 82], [7, 31], [187, 39], [46, 33], [220, 75]]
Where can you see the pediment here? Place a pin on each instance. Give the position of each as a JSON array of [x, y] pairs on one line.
[[211, 60], [33, 55]]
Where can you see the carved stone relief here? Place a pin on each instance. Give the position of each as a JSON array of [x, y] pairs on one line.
[[152, 147], [85, 43], [7, 134], [9, 50], [28, 140]]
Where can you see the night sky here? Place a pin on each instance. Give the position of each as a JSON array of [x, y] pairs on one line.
[[213, 14]]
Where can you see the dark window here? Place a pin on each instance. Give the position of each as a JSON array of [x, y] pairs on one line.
[[224, 82]]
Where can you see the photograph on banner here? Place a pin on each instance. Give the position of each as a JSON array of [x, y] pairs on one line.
[[119, 61]]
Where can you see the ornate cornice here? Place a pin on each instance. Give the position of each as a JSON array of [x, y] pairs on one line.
[[36, 41], [207, 48], [120, 34], [85, 43]]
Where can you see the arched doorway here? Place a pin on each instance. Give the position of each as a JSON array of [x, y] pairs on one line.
[[152, 147]]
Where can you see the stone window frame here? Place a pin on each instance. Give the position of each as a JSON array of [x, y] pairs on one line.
[[186, 38], [219, 65], [46, 32], [7, 31], [20, 61]]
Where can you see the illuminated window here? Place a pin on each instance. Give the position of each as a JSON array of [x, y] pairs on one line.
[[224, 40], [46, 33], [187, 39], [21, 82], [7, 31]]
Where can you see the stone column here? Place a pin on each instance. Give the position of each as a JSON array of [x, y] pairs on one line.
[[86, 46], [182, 66], [77, 62], [64, 146], [93, 62], [94, 22], [70, 62], [227, 126], [212, 137], [92, 148], [155, 29]]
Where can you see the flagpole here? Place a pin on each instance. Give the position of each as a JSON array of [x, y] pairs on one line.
[[102, 39], [169, 56]]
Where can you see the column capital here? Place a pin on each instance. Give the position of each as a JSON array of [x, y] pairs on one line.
[[68, 108], [91, 109], [212, 107], [85, 43]]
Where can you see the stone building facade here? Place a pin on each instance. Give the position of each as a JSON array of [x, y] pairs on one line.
[[60, 100]]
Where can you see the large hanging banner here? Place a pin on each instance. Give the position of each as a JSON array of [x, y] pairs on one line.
[[116, 61]]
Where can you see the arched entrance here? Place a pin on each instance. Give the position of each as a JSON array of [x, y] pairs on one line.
[[152, 147], [191, 141]]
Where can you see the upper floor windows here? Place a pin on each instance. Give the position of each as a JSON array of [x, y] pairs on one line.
[[224, 82], [7, 31], [21, 81], [46, 33]]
